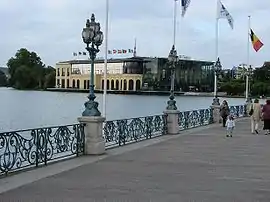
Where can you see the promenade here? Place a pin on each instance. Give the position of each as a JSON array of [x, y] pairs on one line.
[[199, 165]]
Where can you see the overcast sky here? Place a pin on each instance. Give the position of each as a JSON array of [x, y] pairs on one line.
[[52, 28]]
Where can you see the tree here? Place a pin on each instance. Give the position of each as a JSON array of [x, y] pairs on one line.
[[26, 70], [25, 78], [3, 79], [262, 74], [234, 87], [49, 81]]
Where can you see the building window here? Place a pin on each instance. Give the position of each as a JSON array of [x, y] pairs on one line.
[[58, 72]]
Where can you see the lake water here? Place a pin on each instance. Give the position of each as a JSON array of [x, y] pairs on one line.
[[31, 109]]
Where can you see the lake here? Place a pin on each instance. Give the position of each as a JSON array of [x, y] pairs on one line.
[[31, 109]]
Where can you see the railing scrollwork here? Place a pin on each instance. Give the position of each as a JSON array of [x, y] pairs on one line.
[[35, 147]]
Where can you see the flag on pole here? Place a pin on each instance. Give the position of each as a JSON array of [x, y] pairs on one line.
[[256, 43], [222, 12], [185, 4]]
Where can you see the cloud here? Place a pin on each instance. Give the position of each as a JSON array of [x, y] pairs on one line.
[[53, 28]]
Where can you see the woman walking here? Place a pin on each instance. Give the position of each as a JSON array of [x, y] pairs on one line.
[[256, 115], [266, 117], [224, 112]]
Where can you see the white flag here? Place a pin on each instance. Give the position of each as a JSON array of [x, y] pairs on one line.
[[222, 12], [185, 4]]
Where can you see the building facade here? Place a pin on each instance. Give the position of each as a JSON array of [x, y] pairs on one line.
[[120, 75], [137, 73], [190, 75]]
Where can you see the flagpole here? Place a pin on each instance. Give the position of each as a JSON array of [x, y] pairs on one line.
[[174, 21], [216, 57], [106, 58], [247, 74], [216, 51]]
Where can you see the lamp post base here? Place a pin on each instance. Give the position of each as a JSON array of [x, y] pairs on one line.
[[249, 100], [171, 103], [216, 101], [91, 108]]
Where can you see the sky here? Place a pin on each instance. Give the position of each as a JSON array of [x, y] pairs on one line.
[[52, 28]]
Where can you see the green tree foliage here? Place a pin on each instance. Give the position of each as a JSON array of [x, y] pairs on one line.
[[49, 79], [3, 79], [233, 87], [261, 80], [27, 71]]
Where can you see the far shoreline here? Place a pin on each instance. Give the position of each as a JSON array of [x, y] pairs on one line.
[[150, 93]]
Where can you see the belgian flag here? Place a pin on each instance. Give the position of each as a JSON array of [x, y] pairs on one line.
[[257, 44]]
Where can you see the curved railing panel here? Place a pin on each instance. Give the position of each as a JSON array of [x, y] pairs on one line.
[[238, 111], [195, 118], [124, 131], [35, 147]]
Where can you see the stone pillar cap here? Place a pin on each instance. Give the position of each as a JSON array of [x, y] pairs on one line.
[[171, 112], [91, 119]]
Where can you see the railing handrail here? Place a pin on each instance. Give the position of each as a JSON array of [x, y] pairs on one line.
[[139, 117], [156, 115], [40, 128]]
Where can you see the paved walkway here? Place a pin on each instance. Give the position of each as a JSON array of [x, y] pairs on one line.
[[201, 166]]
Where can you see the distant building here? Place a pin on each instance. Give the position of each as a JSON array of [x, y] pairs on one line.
[[5, 70], [122, 74], [137, 73], [190, 75], [239, 72]]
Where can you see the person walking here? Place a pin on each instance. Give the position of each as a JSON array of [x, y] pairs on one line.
[[255, 113], [230, 124], [224, 112], [266, 117]]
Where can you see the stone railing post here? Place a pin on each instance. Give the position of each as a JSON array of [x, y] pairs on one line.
[[216, 113], [172, 121], [94, 141]]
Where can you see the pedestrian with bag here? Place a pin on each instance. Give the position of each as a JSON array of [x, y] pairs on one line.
[[255, 113]]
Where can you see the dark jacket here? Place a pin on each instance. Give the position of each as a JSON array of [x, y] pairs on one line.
[[224, 110], [266, 112]]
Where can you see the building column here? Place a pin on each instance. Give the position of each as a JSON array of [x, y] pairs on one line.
[[134, 85], [94, 141]]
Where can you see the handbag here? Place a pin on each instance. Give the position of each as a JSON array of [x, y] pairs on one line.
[[251, 111]]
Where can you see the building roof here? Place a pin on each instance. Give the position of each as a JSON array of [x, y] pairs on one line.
[[5, 70], [132, 59], [111, 60]]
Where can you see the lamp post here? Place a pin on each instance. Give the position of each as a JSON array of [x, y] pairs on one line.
[[217, 70], [172, 61], [93, 38]]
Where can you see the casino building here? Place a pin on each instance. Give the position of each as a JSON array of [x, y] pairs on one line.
[[137, 73]]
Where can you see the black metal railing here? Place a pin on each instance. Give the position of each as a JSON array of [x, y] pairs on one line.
[[124, 131], [36, 147], [195, 118], [238, 111]]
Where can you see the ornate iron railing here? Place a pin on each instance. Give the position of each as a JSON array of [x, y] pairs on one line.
[[195, 118], [35, 147], [238, 111], [124, 131]]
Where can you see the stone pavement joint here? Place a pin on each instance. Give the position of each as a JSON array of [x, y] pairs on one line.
[[203, 165]]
